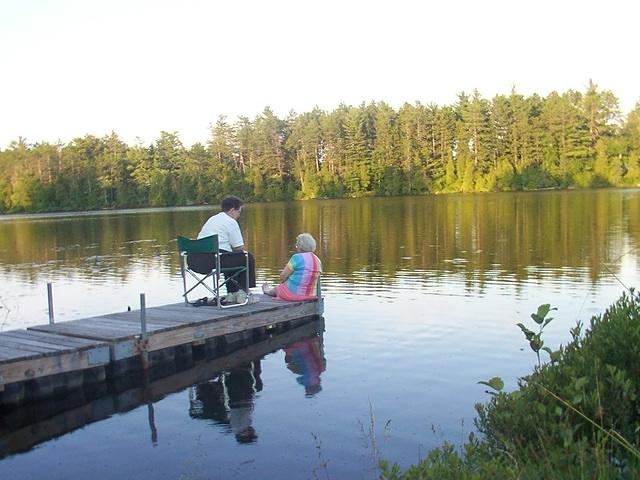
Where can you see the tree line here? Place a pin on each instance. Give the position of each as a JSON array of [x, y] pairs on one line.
[[511, 142]]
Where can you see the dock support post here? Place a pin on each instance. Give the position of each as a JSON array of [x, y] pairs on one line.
[[144, 354], [320, 302], [50, 301], [152, 423]]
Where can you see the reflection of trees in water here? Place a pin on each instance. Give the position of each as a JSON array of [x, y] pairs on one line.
[[476, 236], [107, 246]]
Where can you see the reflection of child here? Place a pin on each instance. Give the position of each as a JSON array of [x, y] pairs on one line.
[[305, 358], [300, 275]]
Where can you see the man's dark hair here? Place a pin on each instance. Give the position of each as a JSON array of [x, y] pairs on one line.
[[230, 202]]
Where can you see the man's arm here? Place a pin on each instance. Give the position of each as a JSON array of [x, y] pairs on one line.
[[235, 238]]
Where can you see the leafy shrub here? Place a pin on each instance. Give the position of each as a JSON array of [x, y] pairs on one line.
[[576, 417]]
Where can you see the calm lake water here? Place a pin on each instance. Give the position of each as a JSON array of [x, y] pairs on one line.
[[422, 298]]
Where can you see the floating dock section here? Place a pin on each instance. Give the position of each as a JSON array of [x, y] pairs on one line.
[[49, 360]]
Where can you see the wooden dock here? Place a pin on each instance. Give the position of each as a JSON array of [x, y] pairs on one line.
[[51, 359], [23, 428]]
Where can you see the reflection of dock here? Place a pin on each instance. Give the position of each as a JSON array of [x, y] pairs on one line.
[[47, 360], [25, 427]]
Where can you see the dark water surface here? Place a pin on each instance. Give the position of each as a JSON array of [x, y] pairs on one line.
[[422, 297]]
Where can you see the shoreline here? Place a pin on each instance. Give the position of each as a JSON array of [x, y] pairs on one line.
[[134, 210]]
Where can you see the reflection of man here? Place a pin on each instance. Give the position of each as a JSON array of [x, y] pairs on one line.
[[229, 400], [242, 383], [306, 359], [231, 245], [207, 400]]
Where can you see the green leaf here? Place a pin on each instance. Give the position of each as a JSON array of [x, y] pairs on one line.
[[537, 318], [536, 344], [527, 333], [543, 310], [496, 383], [580, 383]]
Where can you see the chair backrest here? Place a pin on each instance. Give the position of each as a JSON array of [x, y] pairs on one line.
[[202, 245]]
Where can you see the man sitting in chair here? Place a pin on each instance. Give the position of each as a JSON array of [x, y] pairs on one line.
[[232, 247]]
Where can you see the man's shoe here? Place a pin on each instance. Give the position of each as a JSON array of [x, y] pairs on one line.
[[241, 296]]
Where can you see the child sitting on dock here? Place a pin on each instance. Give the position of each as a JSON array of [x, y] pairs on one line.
[[301, 274]]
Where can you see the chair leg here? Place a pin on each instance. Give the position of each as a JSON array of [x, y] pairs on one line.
[[216, 288], [184, 280]]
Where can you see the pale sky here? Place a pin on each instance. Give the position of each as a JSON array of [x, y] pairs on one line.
[[76, 67]]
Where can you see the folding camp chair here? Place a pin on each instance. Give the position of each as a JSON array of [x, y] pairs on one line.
[[201, 260]]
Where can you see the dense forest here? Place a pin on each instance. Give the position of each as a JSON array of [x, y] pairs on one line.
[[511, 142]]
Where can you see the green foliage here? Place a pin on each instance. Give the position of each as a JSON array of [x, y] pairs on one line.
[[495, 383], [468, 179], [505, 177], [445, 463], [450, 178], [535, 338], [585, 179], [534, 177], [577, 417], [596, 374], [632, 176], [511, 142], [21, 197], [5, 195]]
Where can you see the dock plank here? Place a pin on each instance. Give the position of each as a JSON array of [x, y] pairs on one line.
[[122, 323], [163, 316], [7, 353], [30, 345], [31, 368], [108, 320], [21, 345], [50, 338], [183, 313], [152, 318], [93, 332], [213, 315], [223, 327]]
